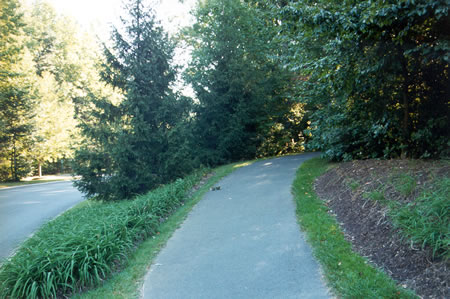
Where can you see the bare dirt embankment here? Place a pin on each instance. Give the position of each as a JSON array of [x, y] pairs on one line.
[[358, 194]]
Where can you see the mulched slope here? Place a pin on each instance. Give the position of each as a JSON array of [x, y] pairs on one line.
[[368, 228]]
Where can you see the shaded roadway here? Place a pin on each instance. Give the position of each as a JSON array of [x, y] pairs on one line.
[[24, 209], [242, 241]]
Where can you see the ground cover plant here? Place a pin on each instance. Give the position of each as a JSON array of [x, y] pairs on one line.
[[395, 213], [128, 283], [85, 245], [349, 274], [426, 220]]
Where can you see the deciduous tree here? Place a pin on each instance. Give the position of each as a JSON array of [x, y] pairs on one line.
[[15, 93], [374, 73]]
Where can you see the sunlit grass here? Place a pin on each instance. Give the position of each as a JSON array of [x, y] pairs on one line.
[[242, 164]]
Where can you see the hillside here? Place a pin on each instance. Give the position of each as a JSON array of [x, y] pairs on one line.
[[383, 205]]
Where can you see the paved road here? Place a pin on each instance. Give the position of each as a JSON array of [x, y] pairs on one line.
[[242, 241], [24, 209]]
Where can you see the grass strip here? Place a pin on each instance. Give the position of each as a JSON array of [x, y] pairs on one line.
[[128, 282], [347, 273]]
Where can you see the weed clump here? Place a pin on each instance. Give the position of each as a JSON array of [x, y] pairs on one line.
[[426, 221]]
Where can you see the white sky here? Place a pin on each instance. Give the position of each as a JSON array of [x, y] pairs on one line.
[[98, 15]]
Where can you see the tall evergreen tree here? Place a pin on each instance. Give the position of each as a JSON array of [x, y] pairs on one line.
[[127, 143], [239, 88]]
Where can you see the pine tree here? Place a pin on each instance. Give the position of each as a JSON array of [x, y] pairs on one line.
[[127, 144], [237, 85]]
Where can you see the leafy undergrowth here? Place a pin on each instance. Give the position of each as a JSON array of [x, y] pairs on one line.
[[349, 274], [85, 245], [396, 213]]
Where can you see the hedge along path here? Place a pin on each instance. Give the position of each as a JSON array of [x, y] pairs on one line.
[[82, 247], [240, 241]]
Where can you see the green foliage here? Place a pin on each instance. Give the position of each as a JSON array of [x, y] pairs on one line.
[[373, 73], [350, 275], [405, 184], [64, 65], [242, 108], [11, 25], [45, 64], [16, 111], [426, 221], [54, 134], [85, 245], [376, 196], [125, 284], [16, 98], [127, 148]]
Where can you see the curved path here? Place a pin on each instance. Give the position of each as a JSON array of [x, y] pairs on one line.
[[242, 241], [24, 209]]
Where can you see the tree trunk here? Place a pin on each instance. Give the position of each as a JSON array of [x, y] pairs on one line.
[[11, 162], [61, 166], [405, 105], [405, 124], [15, 177]]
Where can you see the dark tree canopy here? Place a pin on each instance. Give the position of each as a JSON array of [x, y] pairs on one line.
[[374, 74]]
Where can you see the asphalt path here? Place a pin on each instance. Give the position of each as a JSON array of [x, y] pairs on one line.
[[242, 241], [24, 209]]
